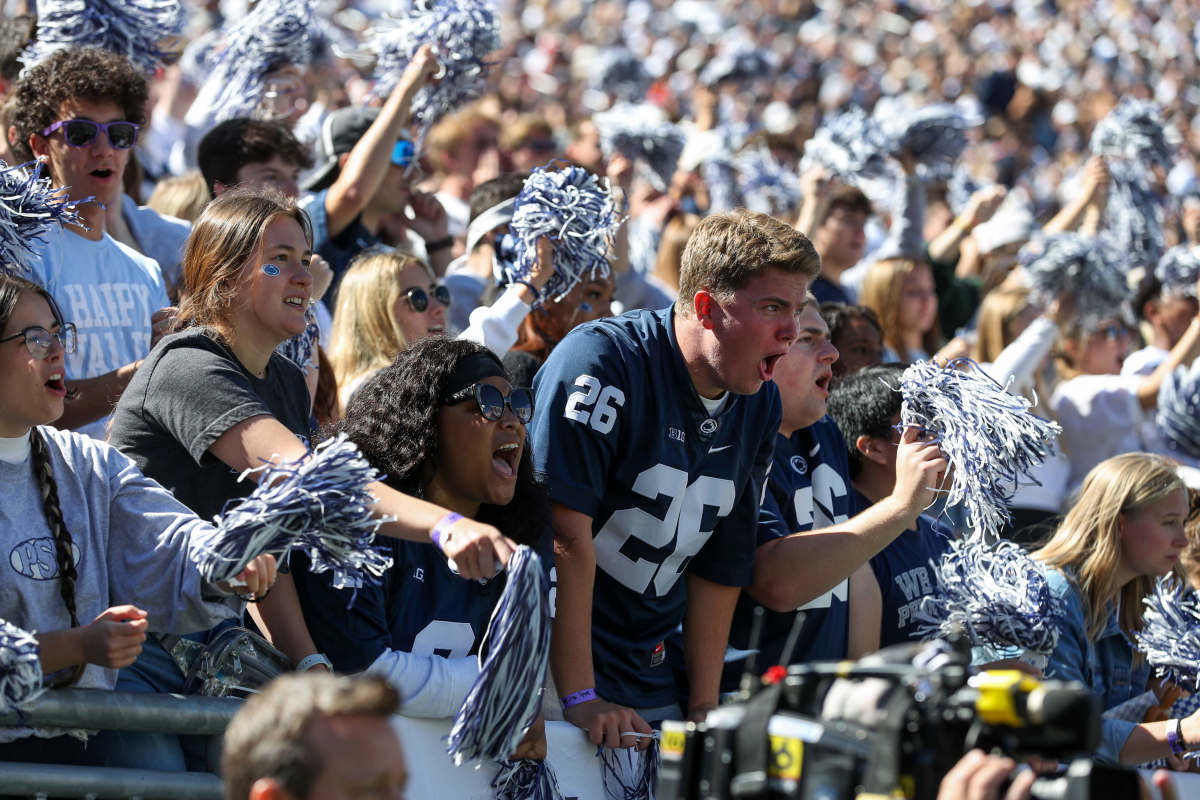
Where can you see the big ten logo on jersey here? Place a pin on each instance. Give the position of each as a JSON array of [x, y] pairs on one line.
[[675, 537], [38, 558], [445, 639], [595, 405], [824, 501]]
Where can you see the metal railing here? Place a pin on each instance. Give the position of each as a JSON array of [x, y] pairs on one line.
[[94, 709]]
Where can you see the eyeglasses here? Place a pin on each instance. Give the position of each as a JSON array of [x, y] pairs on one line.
[[418, 298], [491, 402], [82, 132], [39, 341]]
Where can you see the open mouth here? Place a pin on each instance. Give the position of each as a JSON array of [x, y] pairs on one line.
[[436, 330], [823, 381], [766, 367], [56, 385], [103, 174], [505, 459], [296, 302]]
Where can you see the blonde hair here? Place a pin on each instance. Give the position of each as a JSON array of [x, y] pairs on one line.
[[996, 313], [882, 291], [366, 335], [1088, 541], [670, 250], [183, 196]]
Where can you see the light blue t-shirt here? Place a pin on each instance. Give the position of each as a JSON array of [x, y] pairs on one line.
[[109, 291]]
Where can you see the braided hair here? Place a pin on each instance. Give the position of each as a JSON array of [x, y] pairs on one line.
[[11, 289]]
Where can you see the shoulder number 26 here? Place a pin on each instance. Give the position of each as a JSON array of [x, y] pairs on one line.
[[606, 399]]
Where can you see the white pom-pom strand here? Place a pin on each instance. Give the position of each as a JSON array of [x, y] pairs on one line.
[[1170, 634], [20, 668]]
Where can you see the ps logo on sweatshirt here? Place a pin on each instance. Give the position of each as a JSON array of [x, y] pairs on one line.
[[38, 558]]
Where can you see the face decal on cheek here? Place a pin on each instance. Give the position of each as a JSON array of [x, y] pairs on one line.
[[270, 270]]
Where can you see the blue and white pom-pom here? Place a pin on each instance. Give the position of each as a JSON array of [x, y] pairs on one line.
[[29, 206], [639, 133], [721, 179], [1132, 138], [576, 211], [997, 594], [741, 61], [1177, 415], [526, 780], [274, 35], [765, 184], [301, 349], [507, 693], [1089, 270], [1170, 634], [1179, 270], [850, 146], [628, 774], [20, 669], [619, 72], [141, 30], [935, 135], [462, 32], [987, 434], [320, 505]]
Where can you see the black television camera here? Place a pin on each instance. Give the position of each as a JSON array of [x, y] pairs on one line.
[[889, 726]]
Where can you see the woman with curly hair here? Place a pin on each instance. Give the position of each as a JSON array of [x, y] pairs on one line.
[[443, 423]]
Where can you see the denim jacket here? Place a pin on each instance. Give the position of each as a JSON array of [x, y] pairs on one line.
[[1106, 666]]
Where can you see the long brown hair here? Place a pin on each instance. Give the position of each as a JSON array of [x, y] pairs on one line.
[[882, 292], [11, 289], [224, 239]]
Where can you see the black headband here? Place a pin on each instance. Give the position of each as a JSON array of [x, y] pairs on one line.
[[471, 369]]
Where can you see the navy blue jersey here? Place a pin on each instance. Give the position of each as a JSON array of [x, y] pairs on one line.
[[904, 573], [619, 434], [808, 488], [419, 606]]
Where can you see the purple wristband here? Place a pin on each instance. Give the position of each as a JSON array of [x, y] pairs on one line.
[[443, 525], [582, 696], [1175, 737]]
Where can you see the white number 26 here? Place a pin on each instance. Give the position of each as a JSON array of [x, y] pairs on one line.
[[605, 399]]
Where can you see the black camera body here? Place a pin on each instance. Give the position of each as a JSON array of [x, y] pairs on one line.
[[889, 726]]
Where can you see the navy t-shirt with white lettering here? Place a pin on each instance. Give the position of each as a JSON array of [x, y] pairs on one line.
[[620, 435]]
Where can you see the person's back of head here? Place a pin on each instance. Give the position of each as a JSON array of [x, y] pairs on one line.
[[726, 251], [182, 196], [16, 33], [291, 739], [669, 261], [864, 403], [996, 326], [89, 74], [234, 144]]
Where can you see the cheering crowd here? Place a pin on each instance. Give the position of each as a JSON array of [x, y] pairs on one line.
[[696, 423]]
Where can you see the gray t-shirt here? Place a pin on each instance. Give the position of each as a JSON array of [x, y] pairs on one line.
[[190, 390]]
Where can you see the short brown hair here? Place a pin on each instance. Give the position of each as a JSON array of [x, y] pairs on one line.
[[848, 198], [726, 250], [226, 236], [268, 738], [237, 142], [86, 73]]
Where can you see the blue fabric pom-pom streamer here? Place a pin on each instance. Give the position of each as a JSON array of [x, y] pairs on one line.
[[1178, 270], [620, 73], [577, 213], [141, 30], [1132, 139], [1177, 415], [29, 206], [935, 135], [1170, 634], [765, 184], [1088, 270], [628, 774], [850, 146], [320, 505], [741, 61], [274, 35], [996, 594], [639, 133], [462, 32], [987, 434], [526, 780], [506, 695], [301, 349], [20, 669]]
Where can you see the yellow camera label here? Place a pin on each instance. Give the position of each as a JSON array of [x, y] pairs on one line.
[[672, 743], [787, 758]]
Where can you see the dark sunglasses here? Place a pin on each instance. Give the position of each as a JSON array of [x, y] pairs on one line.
[[418, 298], [39, 341], [491, 402], [82, 132]]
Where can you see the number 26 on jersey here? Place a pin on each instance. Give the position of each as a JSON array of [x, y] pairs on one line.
[[594, 404]]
